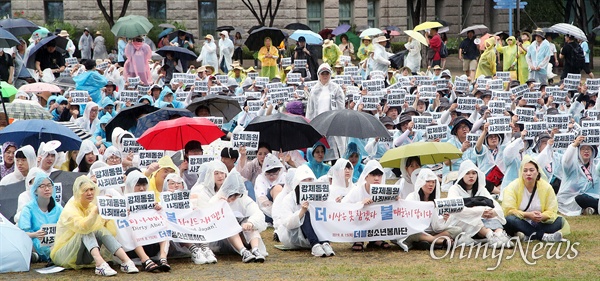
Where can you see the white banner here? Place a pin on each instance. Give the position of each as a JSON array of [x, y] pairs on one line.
[[342, 222], [147, 227]]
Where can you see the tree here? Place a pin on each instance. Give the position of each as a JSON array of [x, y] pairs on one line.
[[418, 11], [109, 16], [262, 14]]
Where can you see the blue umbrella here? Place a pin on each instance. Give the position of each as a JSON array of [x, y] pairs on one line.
[[165, 113], [7, 40], [178, 52], [33, 132], [15, 247], [165, 33], [341, 29], [311, 37]]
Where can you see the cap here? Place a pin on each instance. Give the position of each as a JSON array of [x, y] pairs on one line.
[[386, 121], [301, 39]]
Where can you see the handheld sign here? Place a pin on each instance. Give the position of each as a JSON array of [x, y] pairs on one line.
[[240, 99], [499, 125], [466, 104], [560, 121], [351, 70], [593, 85], [346, 79], [253, 75], [427, 92], [313, 191], [377, 75], [590, 123], [574, 76], [495, 84], [196, 161], [222, 78], [216, 120], [261, 82], [562, 141], [128, 96], [472, 139], [388, 141], [255, 105], [200, 86], [274, 85], [140, 201], [50, 230], [247, 139], [559, 96], [143, 90], [396, 97], [461, 86], [109, 177], [370, 102], [133, 81], [276, 97], [181, 95], [525, 114], [300, 64], [519, 89], [421, 122], [384, 192], [534, 128], [344, 60], [293, 78], [285, 62], [592, 135], [373, 85], [148, 157], [504, 76], [179, 200], [437, 132], [571, 84], [178, 78], [70, 61], [131, 145], [531, 97], [112, 207], [79, 97], [496, 107], [449, 205]]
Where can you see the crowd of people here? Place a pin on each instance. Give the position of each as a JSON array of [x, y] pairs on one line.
[[526, 182]]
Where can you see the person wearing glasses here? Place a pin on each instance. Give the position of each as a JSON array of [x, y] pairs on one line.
[[89, 121]]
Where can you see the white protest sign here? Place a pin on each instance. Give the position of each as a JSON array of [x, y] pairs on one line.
[[495, 84], [466, 104], [388, 141], [472, 138], [396, 97], [351, 70], [293, 79], [427, 92], [343, 222], [112, 207], [196, 161], [449, 205], [261, 82], [592, 135], [560, 121], [384, 192], [254, 105], [499, 125], [525, 114], [131, 145], [276, 97], [562, 141], [593, 114], [148, 157], [410, 99], [109, 177], [503, 75], [253, 75], [240, 99], [441, 84], [79, 97], [496, 107], [247, 139], [200, 86], [421, 122], [300, 64], [573, 76], [128, 96], [373, 85], [58, 191], [461, 86], [532, 97], [139, 201], [286, 62], [178, 78], [346, 79], [181, 95], [133, 81], [222, 78], [215, 90], [377, 75], [504, 95], [571, 84], [590, 123], [370, 102], [211, 223], [216, 120], [593, 85], [519, 89], [175, 200], [143, 90], [147, 227], [313, 191], [102, 66], [345, 60], [71, 61], [534, 128], [274, 85], [50, 230], [559, 96], [437, 132]]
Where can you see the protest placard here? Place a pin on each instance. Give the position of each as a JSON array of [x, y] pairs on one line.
[[559, 96], [253, 75], [346, 79], [58, 191], [139, 201], [571, 84], [388, 141], [531, 97], [261, 82], [240, 99], [215, 90], [449, 205], [71, 61], [178, 78], [495, 85], [143, 90], [313, 191], [181, 95], [112, 207], [102, 66], [503, 75], [131, 145], [79, 97], [384, 192], [285, 62], [276, 97], [133, 81], [466, 104], [274, 85], [109, 177], [593, 113], [590, 123], [344, 60], [435, 132], [195, 161], [496, 107], [562, 141], [396, 97], [294, 79], [472, 139], [343, 222], [254, 105], [421, 122], [410, 99], [499, 125], [525, 114], [592, 135], [518, 90], [146, 226], [574, 76], [373, 85], [593, 85], [209, 224], [351, 70], [200, 86], [560, 121], [534, 128], [148, 157], [427, 92], [50, 230], [300, 64], [128, 96], [377, 75], [370, 102], [175, 200], [461, 86], [247, 139], [423, 81], [216, 120]]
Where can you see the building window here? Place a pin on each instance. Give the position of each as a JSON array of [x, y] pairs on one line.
[[54, 11], [207, 13], [314, 14], [346, 7], [5, 9], [372, 8], [157, 9]]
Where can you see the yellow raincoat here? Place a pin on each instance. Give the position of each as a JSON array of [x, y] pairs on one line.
[[164, 162], [363, 51], [523, 70], [487, 60], [509, 58], [76, 221], [332, 54], [269, 65]]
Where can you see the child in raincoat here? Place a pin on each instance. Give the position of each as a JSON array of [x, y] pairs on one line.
[[80, 232], [42, 209], [408, 166], [87, 155], [341, 180], [268, 55], [159, 173], [353, 155], [167, 98], [25, 159], [89, 121], [487, 60], [269, 183]]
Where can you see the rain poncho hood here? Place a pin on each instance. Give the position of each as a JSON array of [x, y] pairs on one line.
[[91, 81], [467, 166], [163, 163], [371, 166], [271, 162], [576, 181], [204, 189], [42, 155], [173, 177], [131, 181], [353, 148], [111, 151], [338, 178], [319, 169], [160, 102], [84, 121], [25, 196], [148, 98], [233, 184], [209, 178], [29, 153], [208, 53], [424, 176], [87, 146]]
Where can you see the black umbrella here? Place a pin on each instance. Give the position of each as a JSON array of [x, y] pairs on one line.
[[256, 39], [188, 35], [254, 28], [220, 106], [297, 26], [127, 118], [227, 28], [19, 26], [397, 60], [166, 113], [178, 52], [349, 123], [61, 44], [284, 132], [502, 34]]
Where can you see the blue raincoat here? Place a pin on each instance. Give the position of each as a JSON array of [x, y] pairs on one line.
[[58, 99], [576, 182], [160, 103], [319, 169], [106, 101], [91, 81], [359, 167]]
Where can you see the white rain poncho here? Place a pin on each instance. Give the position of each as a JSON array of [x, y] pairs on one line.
[[226, 51], [17, 176], [173, 177], [287, 213], [437, 224], [576, 182], [208, 54], [405, 182], [42, 154], [263, 186], [287, 188], [86, 147], [340, 186], [359, 193], [84, 122], [202, 192], [112, 151]]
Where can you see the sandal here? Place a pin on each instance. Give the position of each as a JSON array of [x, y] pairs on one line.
[[150, 266], [164, 265], [358, 246], [379, 244]]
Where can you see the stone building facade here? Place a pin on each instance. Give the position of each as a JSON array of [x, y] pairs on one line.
[[202, 16]]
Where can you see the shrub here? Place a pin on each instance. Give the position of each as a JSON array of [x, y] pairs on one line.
[[398, 46]]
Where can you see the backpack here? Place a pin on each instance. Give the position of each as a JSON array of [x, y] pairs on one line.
[[577, 57], [443, 51]]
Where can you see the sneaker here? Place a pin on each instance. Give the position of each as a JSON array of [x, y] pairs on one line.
[[521, 236], [35, 257], [318, 251], [198, 257], [247, 256], [129, 267], [588, 211], [465, 240], [209, 255], [258, 256], [552, 237], [328, 250], [505, 239], [105, 270]]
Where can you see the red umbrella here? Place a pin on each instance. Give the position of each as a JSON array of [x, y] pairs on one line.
[[174, 134]]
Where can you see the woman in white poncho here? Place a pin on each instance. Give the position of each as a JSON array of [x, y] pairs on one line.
[[269, 183], [208, 54], [483, 220], [247, 213], [341, 180], [407, 167], [24, 160]]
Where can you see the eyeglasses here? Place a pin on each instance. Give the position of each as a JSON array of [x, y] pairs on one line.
[[324, 73], [114, 158], [45, 186]]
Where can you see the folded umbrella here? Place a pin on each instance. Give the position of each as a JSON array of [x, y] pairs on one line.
[[349, 123], [19, 26], [166, 113], [26, 111], [256, 39], [127, 118], [40, 87], [178, 52], [341, 29], [34, 132], [428, 152], [311, 37], [220, 106], [175, 134], [284, 132]]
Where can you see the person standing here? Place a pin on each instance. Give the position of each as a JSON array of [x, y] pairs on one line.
[[509, 58], [268, 55], [121, 51], [435, 45], [346, 46], [538, 56], [138, 54], [586, 52], [568, 53], [226, 49], [523, 68], [487, 61], [413, 59], [303, 52], [70, 46], [238, 43], [208, 54], [468, 53], [7, 67], [49, 57], [99, 47], [86, 44], [331, 52], [381, 60]]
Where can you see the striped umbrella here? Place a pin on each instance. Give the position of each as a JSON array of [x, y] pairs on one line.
[[81, 133], [27, 111], [569, 29]]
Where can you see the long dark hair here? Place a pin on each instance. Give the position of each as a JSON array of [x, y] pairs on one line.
[[72, 163], [431, 196], [475, 187], [84, 167]]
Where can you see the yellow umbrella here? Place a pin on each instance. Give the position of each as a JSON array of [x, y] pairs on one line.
[[417, 36], [427, 25], [428, 152]]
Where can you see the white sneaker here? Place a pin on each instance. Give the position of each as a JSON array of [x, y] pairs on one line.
[[318, 251], [495, 242], [247, 256], [198, 257], [209, 255], [258, 257], [105, 270], [328, 250], [506, 240], [129, 267], [552, 237], [588, 211], [465, 240]]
